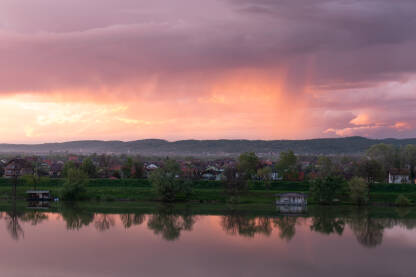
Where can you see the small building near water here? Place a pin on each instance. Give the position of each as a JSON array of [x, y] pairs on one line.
[[292, 198], [38, 195]]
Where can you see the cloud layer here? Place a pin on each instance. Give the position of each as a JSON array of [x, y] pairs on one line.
[[208, 69]]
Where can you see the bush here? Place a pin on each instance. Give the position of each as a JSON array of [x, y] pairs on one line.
[[324, 190], [358, 188], [167, 183], [74, 186], [402, 201]]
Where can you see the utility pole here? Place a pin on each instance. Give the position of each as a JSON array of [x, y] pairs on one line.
[[15, 175]]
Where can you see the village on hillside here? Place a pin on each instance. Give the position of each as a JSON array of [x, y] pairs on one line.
[[372, 166]]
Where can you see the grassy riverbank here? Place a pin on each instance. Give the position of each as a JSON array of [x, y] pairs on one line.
[[203, 191]]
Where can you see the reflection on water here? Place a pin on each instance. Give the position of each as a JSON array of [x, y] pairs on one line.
[[330, 228], [170, 223]]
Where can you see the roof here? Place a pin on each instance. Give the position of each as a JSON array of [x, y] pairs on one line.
[[398, 171], [292, 194], [19, 163], [37, 191]]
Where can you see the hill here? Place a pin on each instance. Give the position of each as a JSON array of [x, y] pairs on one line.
[[330, 146]]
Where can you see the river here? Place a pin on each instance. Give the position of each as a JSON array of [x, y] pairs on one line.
[[71, 240]]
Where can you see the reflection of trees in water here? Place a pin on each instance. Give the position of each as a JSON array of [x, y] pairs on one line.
[[104, 222], [170, 224], [287, 226], [246, 226], [75, 217], [129, 220], [368, 231], [326, 221], [34, 217], [13, 226]]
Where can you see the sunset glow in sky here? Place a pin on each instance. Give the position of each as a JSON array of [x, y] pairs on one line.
[[206, 69]]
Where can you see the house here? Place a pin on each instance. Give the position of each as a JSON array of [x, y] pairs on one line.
[[399, 176], [17, 167], [151, 167], [73, 158], [56, 169], [291, 198], [38, 195], [275, 176]]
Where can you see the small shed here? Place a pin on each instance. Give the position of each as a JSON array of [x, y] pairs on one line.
[[291, 198], [38, 195]]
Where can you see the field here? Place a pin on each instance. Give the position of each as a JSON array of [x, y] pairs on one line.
[[203, 191]]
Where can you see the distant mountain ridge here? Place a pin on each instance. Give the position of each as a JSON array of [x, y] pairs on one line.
[[347, 145]]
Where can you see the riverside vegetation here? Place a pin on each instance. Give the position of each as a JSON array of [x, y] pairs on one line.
[[358, 183]]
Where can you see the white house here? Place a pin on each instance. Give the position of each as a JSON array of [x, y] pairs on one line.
[[291, 198], [275, 176], [399, 176], [151, 167]]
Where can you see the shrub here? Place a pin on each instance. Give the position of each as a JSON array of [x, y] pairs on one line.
[[358, 189], [74, 186], [324, 190], [167, 183], [402, 201]]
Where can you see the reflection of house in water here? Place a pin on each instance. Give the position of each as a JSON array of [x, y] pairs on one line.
[[292, 209], [44, 205], [292, 199], [38, 195]]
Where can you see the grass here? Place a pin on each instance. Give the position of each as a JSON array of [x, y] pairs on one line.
[[203, 191]]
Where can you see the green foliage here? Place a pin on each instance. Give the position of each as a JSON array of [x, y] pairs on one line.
[[265, 174], [34, 180], [286, 166], [409, 157], [74, 186], [324, 190], [138, 171], [248, 163], [167, 183], [358, 188], [402, 201], [325, 166], [371, 170], [385, 154], [68, 167], [127, 168], [234, 182], [89, 168]]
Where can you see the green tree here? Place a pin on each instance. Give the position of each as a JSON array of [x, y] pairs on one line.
[[138, 169], [35, 180], [286, 166], [167, 181], [325, 166], [324, 190], [385, 154], [74, 186], [248, 163], [371, 170], [265, 174], [233, 182], [358, 188], [127, 167], [409, 156], [67, 167], [89, 168]]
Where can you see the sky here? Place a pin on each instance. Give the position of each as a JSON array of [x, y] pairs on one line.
[[198, 69]]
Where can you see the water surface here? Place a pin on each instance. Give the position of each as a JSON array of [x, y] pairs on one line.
[[172, 241]]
